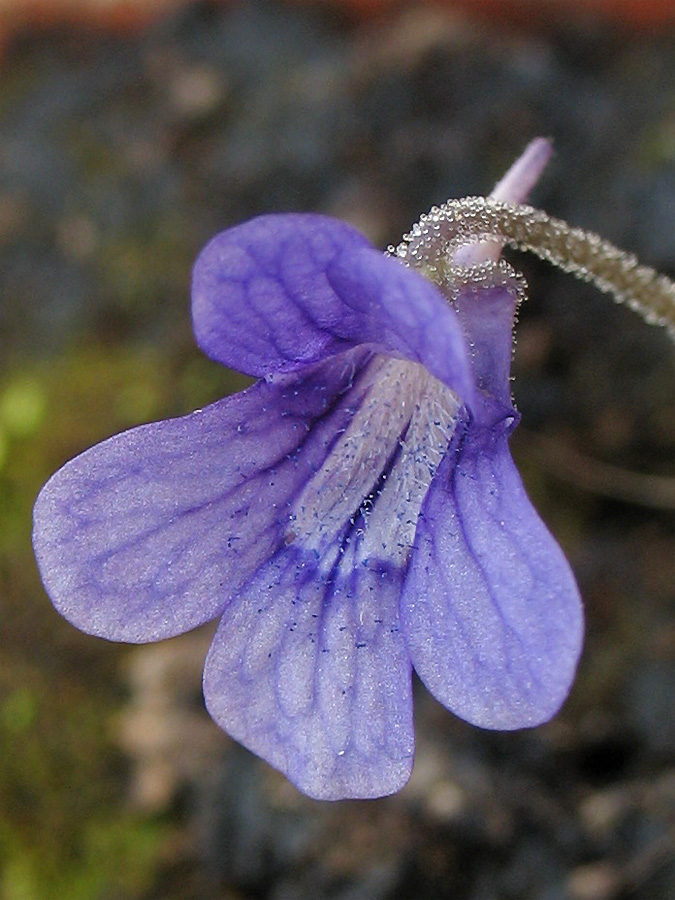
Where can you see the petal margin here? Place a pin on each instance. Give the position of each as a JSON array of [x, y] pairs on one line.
[[490, 608], [309, 671], [281, 292]]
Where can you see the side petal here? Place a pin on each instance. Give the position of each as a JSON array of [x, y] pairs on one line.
[[148, 534], [490, 608], [308, 670], [281, 292]]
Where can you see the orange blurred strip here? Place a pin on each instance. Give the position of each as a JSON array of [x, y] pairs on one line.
[[642, 13], [130, 15], [108, 15], [114, 14], [636, 13]]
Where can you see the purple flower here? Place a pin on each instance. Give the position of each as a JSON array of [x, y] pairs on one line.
[[353, 515]]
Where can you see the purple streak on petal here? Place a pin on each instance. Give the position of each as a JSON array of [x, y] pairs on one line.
[[308, 670], [150, 533], [490, 608], [285, 291]]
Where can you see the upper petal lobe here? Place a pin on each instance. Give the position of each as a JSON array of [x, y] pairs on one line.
[[282, 292]]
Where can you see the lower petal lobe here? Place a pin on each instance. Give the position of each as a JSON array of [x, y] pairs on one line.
[[166, 526], [490, 609], [308, 670]]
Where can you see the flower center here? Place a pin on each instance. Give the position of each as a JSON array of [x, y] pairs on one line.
[[366, 498]]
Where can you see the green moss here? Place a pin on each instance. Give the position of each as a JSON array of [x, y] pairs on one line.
[[22, 406], [66, 829]]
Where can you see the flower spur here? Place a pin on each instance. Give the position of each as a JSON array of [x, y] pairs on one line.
[[355, 513]]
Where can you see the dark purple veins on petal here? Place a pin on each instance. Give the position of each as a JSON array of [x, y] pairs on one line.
[[154, 531], [308, 670], [151, 532]]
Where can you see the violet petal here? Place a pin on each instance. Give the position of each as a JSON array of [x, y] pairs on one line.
[[149, 534], [281, 292], [308, 669], [490, 608]]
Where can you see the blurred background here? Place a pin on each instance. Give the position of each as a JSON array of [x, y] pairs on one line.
[[130, 132]]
